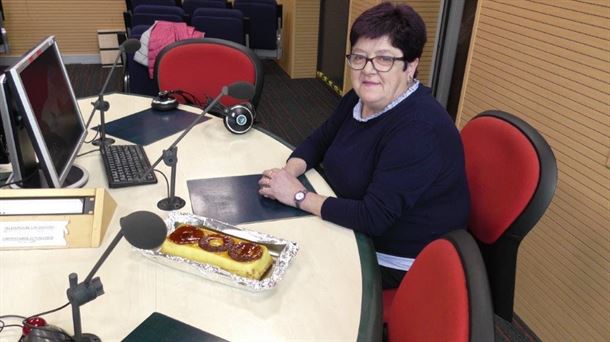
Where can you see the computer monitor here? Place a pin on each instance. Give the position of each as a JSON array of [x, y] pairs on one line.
[[40, 97], [18, 143]]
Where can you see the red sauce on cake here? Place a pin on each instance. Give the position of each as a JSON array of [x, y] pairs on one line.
[[246, 251], [216, 243], [186, 234]]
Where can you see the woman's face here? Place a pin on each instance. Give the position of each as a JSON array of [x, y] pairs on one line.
[[377, 89]]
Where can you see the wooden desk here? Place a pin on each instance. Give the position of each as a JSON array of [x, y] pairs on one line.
[[320, 298]]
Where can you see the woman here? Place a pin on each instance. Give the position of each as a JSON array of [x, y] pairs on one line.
[[390, 151]]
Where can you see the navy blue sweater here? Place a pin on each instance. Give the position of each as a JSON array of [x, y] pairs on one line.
[[399, 178]]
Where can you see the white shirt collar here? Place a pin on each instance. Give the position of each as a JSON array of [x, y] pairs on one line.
[[357, 112]]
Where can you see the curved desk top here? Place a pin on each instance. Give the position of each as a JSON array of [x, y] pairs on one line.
[[321, 296]]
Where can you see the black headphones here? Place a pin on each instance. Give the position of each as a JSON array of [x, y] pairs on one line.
[[239, 118], [164, 101]]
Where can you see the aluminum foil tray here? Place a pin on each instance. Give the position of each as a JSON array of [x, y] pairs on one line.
[[282, 252]]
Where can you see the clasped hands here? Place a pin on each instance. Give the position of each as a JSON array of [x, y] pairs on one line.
[[280, 185]]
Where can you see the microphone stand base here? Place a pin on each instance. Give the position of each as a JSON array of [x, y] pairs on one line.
[[171, 203], [105, 141]]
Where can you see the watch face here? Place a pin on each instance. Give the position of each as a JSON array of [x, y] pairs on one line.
[[299, 196]]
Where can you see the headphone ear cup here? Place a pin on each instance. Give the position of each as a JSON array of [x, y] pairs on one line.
[[164, 101], [251, 108], [239, 119]]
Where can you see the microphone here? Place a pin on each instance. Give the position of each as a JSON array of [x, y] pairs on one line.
[[239, 90], [143, 230], [128, 46]]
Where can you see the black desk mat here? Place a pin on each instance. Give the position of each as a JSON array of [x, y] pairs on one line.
[[149, 125], [160, 328], [235, 200]]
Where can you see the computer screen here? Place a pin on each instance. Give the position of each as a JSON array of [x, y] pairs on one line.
[[18, 143], [41, 89]]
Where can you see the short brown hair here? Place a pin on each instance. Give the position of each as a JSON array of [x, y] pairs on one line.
[[404, 27]]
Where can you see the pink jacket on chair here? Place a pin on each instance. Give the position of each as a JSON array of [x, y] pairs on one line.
[[165, 33]]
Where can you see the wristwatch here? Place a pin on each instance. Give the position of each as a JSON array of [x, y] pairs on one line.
[[299, 197]]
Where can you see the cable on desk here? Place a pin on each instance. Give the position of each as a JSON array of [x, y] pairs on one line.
[[4, 325], [166, 181], [191, 99], [85, 153], [32, 327], [94, 137], [20, 182], [50, 311]]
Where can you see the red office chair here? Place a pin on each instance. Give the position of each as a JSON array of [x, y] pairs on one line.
[[512, 175], [201, 67], [444, 296]]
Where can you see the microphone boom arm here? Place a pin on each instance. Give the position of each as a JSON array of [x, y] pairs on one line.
[[188, 129], [101, 93]]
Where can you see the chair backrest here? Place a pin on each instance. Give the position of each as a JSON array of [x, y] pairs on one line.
[[445, 295], [148, 14], [137, 31], [150, 18], [263, 22], [218, 12], [191, 5], [159, 9], [132, 4], [512, 176], [201, 67], [223, 23]]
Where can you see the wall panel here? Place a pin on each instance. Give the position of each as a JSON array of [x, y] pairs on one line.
[[73, 22], [300, 37], [548, 62]]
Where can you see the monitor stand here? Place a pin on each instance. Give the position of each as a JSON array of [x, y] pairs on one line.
[[77, 177]]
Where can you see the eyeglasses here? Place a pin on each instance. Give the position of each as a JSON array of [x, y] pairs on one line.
[[380, 63]]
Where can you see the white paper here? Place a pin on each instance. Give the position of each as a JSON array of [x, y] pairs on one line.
[[33, 233], [41, 206]]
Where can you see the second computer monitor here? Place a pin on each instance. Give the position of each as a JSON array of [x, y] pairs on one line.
[[45, 101]]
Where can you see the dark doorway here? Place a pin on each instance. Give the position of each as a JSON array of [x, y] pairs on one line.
[[331, 40], [461, 56]]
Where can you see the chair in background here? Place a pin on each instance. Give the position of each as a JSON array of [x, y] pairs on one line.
[[135, 79], [223, 23], [201, 67], [444, 296], [148, 14], [190, 6], [132, 4], [265, 27], [512, 176]]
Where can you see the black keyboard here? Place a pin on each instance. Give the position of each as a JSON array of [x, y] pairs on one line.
[[124, 164]]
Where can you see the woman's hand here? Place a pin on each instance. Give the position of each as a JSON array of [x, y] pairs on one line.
[[280, 185]]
